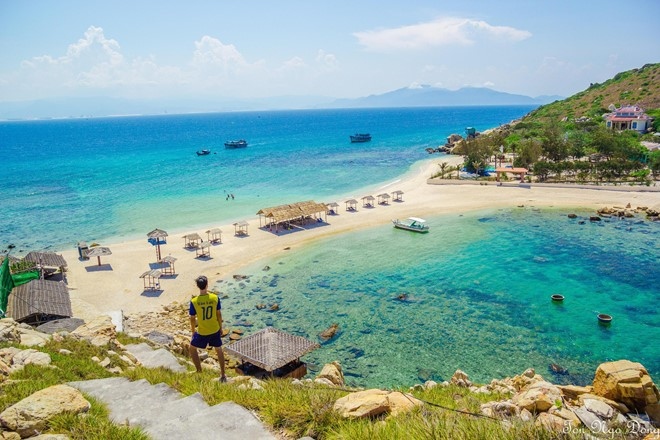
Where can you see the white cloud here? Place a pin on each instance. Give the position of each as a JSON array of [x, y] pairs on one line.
[[326, 60], [211, 52], [439, 32]]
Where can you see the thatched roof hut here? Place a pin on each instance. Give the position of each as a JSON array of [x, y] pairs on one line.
[[351, 205], [368, 201], [192, 240], [47, 260], [39, 301], [383, 199], [270, 348], [298, 211], [398, 195]]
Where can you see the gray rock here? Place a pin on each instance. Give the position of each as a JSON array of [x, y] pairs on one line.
[[59, 325]]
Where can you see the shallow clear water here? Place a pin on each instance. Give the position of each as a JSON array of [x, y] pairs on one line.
[[478, 289]]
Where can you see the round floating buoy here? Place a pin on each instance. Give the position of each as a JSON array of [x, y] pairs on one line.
[[604, 318], [557, 297]]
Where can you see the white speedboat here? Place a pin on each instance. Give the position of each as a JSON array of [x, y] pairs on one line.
[[412, 224]]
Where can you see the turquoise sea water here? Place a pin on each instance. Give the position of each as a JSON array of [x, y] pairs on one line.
[[478, 285], [478, 292], [92, 179]]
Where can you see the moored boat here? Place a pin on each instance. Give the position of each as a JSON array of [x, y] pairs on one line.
[[242, 143], [361, 137], [415, 224], [203, 152]]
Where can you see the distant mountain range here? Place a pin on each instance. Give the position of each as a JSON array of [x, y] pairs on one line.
[[423, 96], [428, 96]]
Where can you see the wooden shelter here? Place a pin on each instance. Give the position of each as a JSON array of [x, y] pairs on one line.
[[203, 250], [167, 265], [298, 212], [46, 262], [333, 208], [39, 301], [214, 235], [157, 237], [151, 279], [351, 205], [397, 195], [241, 228], [98, 252], [383, 199], [192, 240], [368, 201], [515, 171], [272, 352]]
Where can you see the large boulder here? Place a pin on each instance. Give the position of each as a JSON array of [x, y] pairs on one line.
[[31, 415], [538, 397], [627, 382], [371, 403], [99, 332], [331, 374]]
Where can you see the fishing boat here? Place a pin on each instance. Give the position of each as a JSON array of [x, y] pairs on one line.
[[203, 152], [236, 144], [412, 224], [361, 137]]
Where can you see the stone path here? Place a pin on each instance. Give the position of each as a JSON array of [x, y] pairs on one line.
[[164, 413]]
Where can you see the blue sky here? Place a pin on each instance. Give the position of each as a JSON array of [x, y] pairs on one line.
[[342, 49]]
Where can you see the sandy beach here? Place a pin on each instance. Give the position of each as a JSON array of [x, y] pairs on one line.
[[115, 285]]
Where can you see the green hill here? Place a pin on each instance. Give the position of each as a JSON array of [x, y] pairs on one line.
[[635, 87]]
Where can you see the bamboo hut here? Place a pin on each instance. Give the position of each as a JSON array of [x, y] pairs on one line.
[[368, 201], [299, 212], [203, 250], [151, 279], [241, 228], [214, 235], [272, 352], [397, 195], [167, 265], [332, 208], [39, 301], [46, 263], [192, 240], [351, 205], [383, 199]]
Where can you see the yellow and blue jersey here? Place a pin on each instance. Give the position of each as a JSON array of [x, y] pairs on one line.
[[204, 307]]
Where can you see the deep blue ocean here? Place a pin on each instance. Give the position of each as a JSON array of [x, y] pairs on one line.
[[478, 286]]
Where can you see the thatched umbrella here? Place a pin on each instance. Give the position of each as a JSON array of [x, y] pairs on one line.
[[99, 251], [155, 236]]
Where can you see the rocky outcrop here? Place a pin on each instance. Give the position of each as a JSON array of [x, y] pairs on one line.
[[99, 332], [331, 375], [31, 415], [373, 402], [629, 383]]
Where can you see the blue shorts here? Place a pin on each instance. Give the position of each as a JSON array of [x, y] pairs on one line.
[[203, 341]]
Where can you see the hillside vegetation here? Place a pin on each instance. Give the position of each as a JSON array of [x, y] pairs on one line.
[[567, 141], [637, 86]]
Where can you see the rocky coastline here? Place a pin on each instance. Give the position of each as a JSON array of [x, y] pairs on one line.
[[622, 400]]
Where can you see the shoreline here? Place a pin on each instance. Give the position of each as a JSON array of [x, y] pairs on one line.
[[115, 285]]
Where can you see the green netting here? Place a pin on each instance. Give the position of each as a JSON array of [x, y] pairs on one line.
[[25, 277], [6, 284]]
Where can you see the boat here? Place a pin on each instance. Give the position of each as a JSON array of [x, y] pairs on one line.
[[604, 318], [236, 144], [557, 297], [203, 152], [361, 137], [412, 224]]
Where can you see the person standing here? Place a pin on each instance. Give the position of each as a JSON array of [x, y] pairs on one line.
[[206, 325]]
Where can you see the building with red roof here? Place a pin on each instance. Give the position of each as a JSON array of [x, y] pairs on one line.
[[629, 117]]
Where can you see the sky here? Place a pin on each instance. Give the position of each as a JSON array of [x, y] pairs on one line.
[[247, 49]]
